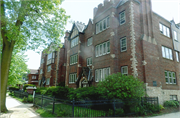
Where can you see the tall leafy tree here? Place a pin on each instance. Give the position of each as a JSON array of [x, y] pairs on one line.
[[27, 24]]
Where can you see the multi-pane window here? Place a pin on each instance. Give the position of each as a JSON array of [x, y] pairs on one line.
[[173, 97], [175, 36], [102, 25], [41, 71], [50, 58], [47, 81], [122, 18], [167, 53], [42, 61], [74, 41], [73, 59], [101, 74], [102, 49], [49, 68], [177, 56], [33, 77], [164, 30], [123, 44], [124, 70], [89, 61], [170, 77], [89, 41], [72, 77]]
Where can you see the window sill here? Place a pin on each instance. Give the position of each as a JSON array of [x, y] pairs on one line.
[[73, 64], [167, 59], [165, 35], [103, 54], [102, 30]]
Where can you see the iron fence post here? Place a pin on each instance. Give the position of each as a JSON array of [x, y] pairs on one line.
[[73, 108], [53, 105], [41, 101], [34, 100], [114, 107]]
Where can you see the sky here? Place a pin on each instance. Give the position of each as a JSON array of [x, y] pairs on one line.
[[82, 11]]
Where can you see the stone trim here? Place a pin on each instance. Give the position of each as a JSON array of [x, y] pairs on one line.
[[133, 41]]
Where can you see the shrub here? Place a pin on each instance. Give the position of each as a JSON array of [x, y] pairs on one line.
[[161, 107], [121, 86], [170, 103], [25, 100], [13, 88], [27, 85], [177, 103], [30, 99], [41, 90]]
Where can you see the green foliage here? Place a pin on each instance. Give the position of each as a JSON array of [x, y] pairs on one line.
[[161, 107], [25, 100], [121, 86], [30, 99], [27, 85], [91, 93], [13, 88], [61, 84], [171, 103], [44, 113]]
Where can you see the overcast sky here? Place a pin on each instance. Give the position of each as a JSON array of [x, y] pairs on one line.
[[82, 10]]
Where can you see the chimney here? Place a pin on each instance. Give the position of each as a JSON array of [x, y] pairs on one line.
[[95, 11]]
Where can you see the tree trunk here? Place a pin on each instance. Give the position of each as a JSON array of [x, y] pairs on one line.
[[5, 65]]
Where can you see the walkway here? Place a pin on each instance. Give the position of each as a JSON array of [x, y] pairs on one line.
[[18, 109], [171, 115]]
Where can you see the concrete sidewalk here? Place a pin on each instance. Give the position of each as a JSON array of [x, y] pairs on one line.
[[16, 109], [170, 115]]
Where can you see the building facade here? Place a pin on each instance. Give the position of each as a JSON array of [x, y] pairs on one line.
[[33, 77], [124, 36]]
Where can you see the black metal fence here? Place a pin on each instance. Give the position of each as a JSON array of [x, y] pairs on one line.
[[19, 94], [97, 108]]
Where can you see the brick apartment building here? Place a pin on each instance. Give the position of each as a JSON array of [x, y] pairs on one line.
[[52, 67], [33, 77], [124, 36]]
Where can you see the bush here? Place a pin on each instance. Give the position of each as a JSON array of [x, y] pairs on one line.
[[161, 107], [87, 93], [121, 86], [25, 100], [170, 103], [41, 90], [30, 99], [14, 88], [27, 85]]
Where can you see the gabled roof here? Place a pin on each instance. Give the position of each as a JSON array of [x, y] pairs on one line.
[[80, 26], [121, 2], [172, 21], [33, 71]]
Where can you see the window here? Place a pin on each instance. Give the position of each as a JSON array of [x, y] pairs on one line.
[[122, 17], [173, 97], [89, 41], [47, 81], [42, 61], [49, 68], [102, 25], [177, 56], [167, 53], [101, 74], [39, 82], [72, 77], [102, 49], [170, 77], [73, 59], [50, 58], [123, 44], [175, 36], [154, 83], [124, 70], [74, 42], [164, 30], [33, 77], [89, 61], [41, 71]]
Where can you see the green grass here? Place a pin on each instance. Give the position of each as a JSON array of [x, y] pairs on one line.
[[44, 113]]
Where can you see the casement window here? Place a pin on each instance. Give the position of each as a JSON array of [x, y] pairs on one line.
[[42, 61], [49, 68], [41, 71], [89, 41], [170, 77], [89, 61], [167, 53], [124, 70], [33, 77], [74, 42], [173, 97], [102, 25], [101, 74], [102, 49], [164, 30], [175, 36], [123, 44], [50, 58], [47, 81], [73, 59], [122, 18], [177, 56], [72, 77]]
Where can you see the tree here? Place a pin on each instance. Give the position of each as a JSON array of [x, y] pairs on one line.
[[18, 69], [121, 86], [27, 24]]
